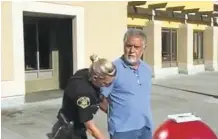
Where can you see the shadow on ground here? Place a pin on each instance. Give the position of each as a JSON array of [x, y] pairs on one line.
[[43, 95]]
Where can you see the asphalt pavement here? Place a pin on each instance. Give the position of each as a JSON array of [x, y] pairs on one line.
[[180, 94]]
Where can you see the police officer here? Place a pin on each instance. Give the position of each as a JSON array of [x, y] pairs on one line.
[[81, 101]]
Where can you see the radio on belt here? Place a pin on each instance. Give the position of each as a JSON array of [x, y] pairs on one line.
[[184, 126]]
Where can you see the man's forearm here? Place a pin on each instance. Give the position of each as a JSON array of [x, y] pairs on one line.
[[103, 108], [104, 105]]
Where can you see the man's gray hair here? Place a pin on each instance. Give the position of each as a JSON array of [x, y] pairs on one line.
[[133, 32]]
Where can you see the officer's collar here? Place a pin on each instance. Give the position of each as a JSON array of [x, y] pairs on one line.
[[91, 83]]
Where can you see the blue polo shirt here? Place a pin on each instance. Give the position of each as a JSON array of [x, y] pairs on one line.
[[129, 98]]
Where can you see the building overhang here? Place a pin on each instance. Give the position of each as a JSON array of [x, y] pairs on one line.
[[215, 7], [175, 13], [136, 3], [215, 11]]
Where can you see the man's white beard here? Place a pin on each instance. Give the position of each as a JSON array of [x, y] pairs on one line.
[[131, 61]]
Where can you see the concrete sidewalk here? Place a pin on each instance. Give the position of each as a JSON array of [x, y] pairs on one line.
[[205, 83], [34, 120]]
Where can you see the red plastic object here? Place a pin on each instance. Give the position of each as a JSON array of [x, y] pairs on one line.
[[184, 129]]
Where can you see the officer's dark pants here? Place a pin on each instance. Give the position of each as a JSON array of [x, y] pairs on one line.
[[57, 126]]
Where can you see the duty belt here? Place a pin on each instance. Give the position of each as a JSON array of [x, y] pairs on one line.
[[62, 128]]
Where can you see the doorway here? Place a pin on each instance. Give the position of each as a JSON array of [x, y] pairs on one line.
[[48, 52]]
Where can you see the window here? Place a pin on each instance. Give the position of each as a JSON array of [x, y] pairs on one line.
[[38, 54], [198, 47], [169, 47]]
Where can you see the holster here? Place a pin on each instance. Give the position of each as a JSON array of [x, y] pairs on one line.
[[62, 129]]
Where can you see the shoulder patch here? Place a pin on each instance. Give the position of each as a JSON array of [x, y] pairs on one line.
[[83, 102]]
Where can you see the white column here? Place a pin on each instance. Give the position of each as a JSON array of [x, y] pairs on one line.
[[185, 49], [210, 48], [152, 54]]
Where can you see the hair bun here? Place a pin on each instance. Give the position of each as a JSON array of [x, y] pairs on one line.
[[94, 58]]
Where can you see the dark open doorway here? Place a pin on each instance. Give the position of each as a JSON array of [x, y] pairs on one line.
[[64, 43], [48, 52]]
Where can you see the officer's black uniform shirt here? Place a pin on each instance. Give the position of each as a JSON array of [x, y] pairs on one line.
[[80, 98]]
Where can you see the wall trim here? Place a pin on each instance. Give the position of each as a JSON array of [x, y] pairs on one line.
[[165, 72], [12, 102], [211, 65], [190, 69]]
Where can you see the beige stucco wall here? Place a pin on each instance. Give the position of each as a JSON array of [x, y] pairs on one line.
[[6, 43], [105, 25]]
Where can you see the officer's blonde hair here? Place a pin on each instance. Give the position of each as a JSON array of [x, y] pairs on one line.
[[101, 66]]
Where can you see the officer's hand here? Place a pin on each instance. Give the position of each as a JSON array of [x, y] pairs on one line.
[[93, 130]]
